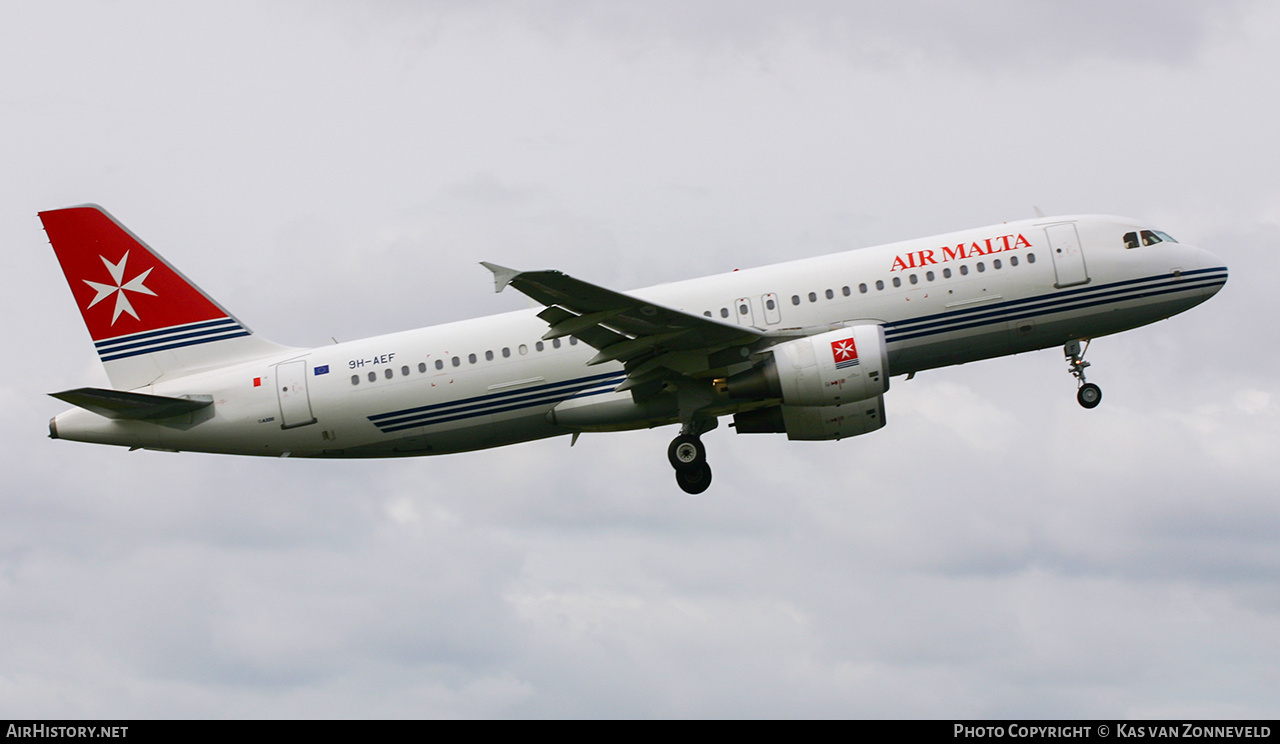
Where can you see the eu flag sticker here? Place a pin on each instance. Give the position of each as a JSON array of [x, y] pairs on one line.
[[322, 369]]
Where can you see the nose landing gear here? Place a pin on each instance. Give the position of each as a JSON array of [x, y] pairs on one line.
[[1089, 395]]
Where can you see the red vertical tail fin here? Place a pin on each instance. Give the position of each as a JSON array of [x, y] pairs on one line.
[[146, 319]]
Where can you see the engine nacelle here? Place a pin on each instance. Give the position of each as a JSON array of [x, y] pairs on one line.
[[814, 423], [830, 369]]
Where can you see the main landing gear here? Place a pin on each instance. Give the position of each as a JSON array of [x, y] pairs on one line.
[[1089, 395], [689, 457]]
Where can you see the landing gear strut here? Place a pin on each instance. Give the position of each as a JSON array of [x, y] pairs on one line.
[[1089, 395], [689, 457]]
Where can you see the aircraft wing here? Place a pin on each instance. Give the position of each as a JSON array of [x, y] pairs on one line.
[[649, 339]]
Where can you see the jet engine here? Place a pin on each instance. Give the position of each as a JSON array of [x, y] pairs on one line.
[[829, 369]]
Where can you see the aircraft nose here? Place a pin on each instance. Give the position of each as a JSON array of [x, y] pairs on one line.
[[1212, 261], [1208, 258], [1213, 270]]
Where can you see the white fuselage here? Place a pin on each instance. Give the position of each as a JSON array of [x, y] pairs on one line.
[[491, 381]]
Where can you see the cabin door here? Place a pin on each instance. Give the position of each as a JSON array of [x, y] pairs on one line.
[[1068, 257], [291, 389]]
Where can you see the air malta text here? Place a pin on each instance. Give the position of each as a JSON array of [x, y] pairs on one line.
[[986, 246]]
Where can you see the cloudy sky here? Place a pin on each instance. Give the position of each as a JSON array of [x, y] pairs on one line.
[[332, 169]]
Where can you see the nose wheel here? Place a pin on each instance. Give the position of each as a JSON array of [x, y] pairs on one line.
[[1089, 395], [689, 458]]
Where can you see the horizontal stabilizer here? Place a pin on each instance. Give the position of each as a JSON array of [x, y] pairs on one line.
[[119, 404]]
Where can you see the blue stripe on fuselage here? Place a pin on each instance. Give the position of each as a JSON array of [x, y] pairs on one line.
[[1130, 289], [408, 418]]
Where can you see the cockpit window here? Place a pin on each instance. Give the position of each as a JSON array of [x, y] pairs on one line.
[[1149, 237]]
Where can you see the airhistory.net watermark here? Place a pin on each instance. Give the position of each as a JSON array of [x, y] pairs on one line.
[[49, 731]]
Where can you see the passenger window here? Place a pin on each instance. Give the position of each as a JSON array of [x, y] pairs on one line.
[[523, 349], [506, 352], [897, 281], [830, 294], [387, 373], [1031, 258], [555, 342], [471, 358], [981, 267], [404, 371], [879, 284], [707, 313], [1131, 240], [770, 304], [996, 263], [373, 377], [946, 273], [862, 288], [846, 291], [742, 309], [964, 271], [914, 279], [724, 312], [439, 364], [573, 340], [422, 367], [928, 275], [1013, 260], [355, 379], [539, 346], [813, 297], [456, 362], [795, 299], [488, 355]]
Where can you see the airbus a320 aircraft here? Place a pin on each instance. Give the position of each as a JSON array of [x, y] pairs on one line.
[[804, 348]]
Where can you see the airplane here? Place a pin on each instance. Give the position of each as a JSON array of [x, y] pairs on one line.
[[804, 348]]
